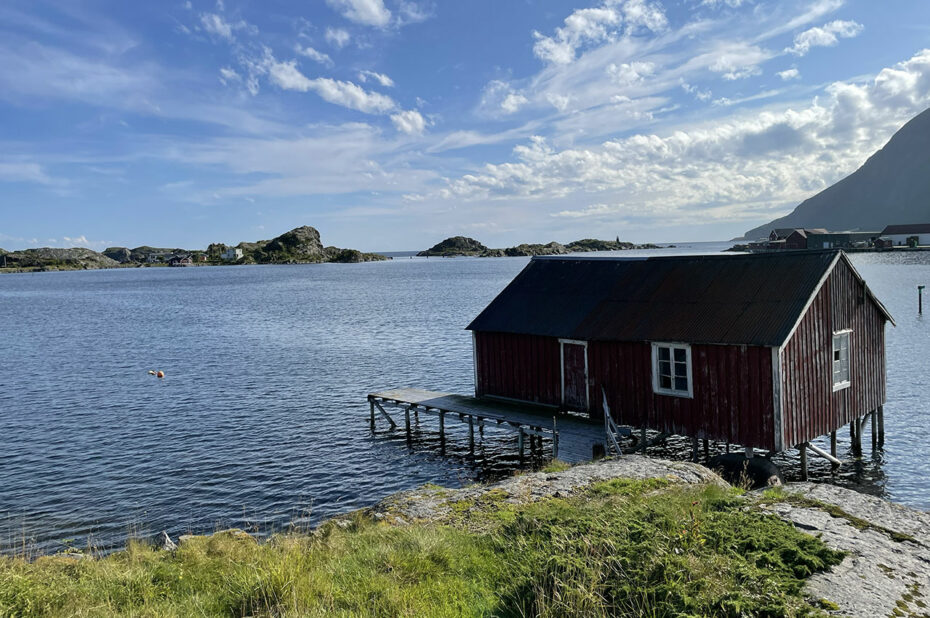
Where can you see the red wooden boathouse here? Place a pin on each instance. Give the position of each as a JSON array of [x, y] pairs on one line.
[[767, 350]]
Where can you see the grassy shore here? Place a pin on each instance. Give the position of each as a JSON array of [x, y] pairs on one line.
[[633, 548]]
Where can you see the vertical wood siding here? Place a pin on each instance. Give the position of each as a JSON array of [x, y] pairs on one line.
[[524, 367], [733, 399], [811, 408]]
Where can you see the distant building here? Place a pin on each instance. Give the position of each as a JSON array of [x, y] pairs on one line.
[[898, 234], [180, 260], [840, 240], [232, 254]]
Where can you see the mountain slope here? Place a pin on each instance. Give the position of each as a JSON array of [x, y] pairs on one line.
[[892, 186]]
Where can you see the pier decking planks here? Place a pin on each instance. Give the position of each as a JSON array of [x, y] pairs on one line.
[[577, 437]]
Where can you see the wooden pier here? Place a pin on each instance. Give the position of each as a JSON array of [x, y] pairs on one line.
[[573, 439]]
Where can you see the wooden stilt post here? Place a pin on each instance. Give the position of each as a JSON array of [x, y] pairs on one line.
[[749, 452], [728, 448], [857, 440], [881, 425], [442, 425], [833, 445], [874, 431], [706, 450], [372, 406], [694, 449], [642, 438], [555, 438], [407, 420], [471, 433], [520, 440], [803, 449], [481, 427]]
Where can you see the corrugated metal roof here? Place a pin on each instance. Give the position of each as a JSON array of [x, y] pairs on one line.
[[911, 228], [729, 299]]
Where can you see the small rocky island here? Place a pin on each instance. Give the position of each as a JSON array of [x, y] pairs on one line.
[[461, 246], [301, 245]]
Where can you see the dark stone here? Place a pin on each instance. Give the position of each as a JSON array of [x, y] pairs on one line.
[[738, 469]]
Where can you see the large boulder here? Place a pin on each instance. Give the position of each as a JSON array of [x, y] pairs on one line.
[[301, 244], [120, 254]]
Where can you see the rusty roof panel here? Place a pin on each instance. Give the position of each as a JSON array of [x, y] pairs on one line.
[[733, 299]]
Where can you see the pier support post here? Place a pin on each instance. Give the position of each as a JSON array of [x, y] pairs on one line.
[[881, 425], [442, 425], [694, 450], [706, 450], [874, 431], [520, 441], [750, 452], [471, 433], [642, 438], [728, 448], [833, 446], [856, 434], [407, 420], [803, 449], [371, 404]]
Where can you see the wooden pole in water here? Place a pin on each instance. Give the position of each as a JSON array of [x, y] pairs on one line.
[[920, 299], [750, 452], [372, 405], [471, 433], [881, 425], [803, 448], [407, 420], [442, 425], [874, 431], [520, 440], [857, 440]]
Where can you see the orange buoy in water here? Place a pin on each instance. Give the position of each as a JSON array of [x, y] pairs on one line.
[[160, 374]]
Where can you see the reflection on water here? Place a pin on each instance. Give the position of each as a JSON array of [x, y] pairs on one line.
[[261, 419]]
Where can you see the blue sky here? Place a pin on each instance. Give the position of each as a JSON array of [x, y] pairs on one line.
[[391, 124]]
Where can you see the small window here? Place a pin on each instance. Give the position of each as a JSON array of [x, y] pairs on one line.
[[840, 360], [671, 369]]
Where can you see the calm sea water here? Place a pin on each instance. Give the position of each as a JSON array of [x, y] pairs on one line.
[[261, 420]]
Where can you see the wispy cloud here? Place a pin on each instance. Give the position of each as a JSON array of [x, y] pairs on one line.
[[827, 35]]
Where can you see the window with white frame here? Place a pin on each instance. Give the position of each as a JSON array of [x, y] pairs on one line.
[[841, 359], [671, 369]]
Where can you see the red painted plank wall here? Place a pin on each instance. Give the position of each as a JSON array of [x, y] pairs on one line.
[[524, 367], [811, 408], [733, 398]]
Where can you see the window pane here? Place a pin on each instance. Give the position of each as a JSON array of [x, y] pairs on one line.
[[680, 355], [665, 368], [681, 384], [836, 355], [663, 354], [681, 370], [665, 382]]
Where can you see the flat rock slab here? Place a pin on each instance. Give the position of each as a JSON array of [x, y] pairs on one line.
[[881, 576], [435, 503]]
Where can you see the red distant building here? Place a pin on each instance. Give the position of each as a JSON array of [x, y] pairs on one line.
[[768, 351]]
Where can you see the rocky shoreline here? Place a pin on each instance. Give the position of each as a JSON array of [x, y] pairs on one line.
[[462, 246]]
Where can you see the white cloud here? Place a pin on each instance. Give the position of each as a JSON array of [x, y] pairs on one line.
[[381, 78], [287, 76], [228, 75], [582, 26], [337, 37], [410, 122], [748, 165], [626, 74], [312, 54], [789, 74], [24, 172], [827, 35], [738, 60], [699, 93], [365, 12], [513, 102], [715, 3], [216, 25]]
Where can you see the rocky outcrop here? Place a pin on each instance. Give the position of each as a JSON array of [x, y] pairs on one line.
[[50, 258], [301, 244], [454, 247], [120, 254], [431, 503], [350, 256], [459, 246]]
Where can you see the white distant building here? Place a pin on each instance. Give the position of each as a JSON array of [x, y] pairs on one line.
[[898, 234], [232, 254]]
